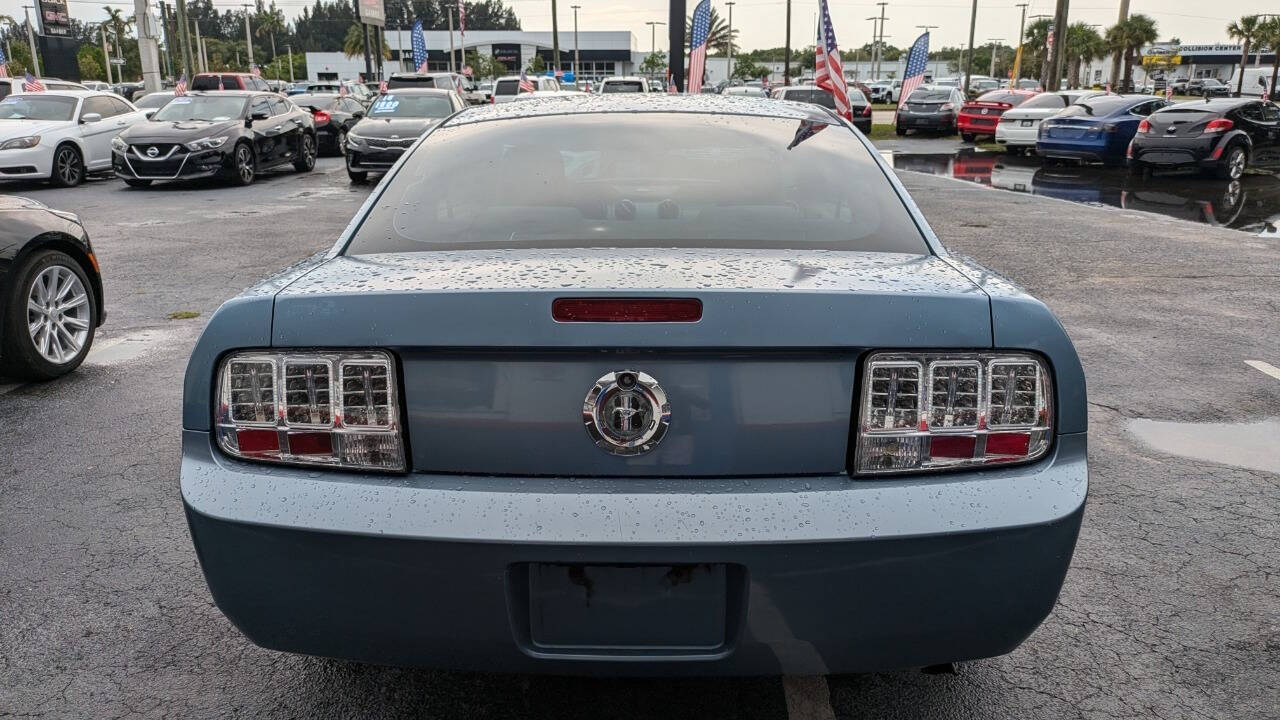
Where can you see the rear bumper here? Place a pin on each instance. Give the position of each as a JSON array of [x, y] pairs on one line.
[[826, 575], [1092, 151], [980, 125], [926, 122], [1173, 152], [1013, 133]]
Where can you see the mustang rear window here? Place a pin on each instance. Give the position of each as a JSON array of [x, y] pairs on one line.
[[639, 180]]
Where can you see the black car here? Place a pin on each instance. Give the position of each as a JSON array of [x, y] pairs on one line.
[[931, 108], [859, 105], [50, 290], [1225, 136], [395, 122], [334, 115], [234, 134], [1208, 87]]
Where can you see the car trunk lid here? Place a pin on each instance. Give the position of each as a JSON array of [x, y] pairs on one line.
[[1181, 122], [762, 384]]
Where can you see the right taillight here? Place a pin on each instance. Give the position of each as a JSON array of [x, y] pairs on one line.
[[1217, 126], [928, 411], [1144, 127], [337, 409]]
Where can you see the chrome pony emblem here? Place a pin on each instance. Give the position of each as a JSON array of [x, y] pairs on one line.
[[153, 151], [626, 412]]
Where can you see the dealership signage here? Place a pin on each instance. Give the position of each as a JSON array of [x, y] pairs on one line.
[[373, 13], [53, 17]]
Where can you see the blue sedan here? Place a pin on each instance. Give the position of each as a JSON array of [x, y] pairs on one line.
[[1098, 129], [636, 386]]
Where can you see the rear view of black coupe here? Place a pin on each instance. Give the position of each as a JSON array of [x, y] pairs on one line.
[[333, 116], [231, 134], [1225, 136], [50, 291]]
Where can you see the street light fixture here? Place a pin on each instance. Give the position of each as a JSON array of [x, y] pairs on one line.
[[653, 35], [575, 41]]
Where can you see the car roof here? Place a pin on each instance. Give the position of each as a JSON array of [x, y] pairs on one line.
[[70, 93], [1227, 103], [628, 78], [646, 103], [232, 93], [227, 72], [443, 92]]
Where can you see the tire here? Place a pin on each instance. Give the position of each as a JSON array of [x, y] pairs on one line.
[[68, 167], [137, 183], [306, 153], [342, 143], [1234, 162], [65, 331], [357, 176], [966, 137], [1137, 168], [901, 132], [241, 172]]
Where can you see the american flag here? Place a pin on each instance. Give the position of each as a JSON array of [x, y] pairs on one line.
[[828, 72], [181, 88], [698, 46], [257, 71], [917, 59], [342, 89], [382, 87], [462, 20], [671, 87], [526, 85], [220, 85], [30, 84], [419, 46], [4, 64]]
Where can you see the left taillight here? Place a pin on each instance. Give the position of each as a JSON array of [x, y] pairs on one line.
[[321, 117], [932, 411], [1219, 125], [336, 409]]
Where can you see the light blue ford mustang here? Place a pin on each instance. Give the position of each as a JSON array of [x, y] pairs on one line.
[[646, 386]]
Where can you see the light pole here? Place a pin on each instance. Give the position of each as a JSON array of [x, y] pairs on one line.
[[786, 51], [575, 41], [289, 49], [248, 38], [106, 57], [555, 41], [968, 66], [880, 44], [871, 72], [31, 38], [993, 41], [1017, 59], [729, 72]]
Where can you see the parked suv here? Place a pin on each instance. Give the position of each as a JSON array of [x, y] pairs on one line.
[[461, 84], [229, 81], [1208, 87], [623, 84], [506, 89]]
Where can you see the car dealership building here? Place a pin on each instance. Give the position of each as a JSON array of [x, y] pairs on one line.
[[600, 53]]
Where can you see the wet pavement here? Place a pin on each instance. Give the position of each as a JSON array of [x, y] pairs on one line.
[[1251, 204]]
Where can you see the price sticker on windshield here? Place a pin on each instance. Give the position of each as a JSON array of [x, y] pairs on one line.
[[386, 104]]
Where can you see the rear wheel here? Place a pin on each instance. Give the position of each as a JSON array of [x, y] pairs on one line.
[[967, 137], [68, 167], [357, 176], [1234, 162], [306, 153], [51, 318], [901, 131], [342, 143]]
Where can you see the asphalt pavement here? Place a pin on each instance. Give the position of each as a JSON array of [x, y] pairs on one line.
[[1171, 608]]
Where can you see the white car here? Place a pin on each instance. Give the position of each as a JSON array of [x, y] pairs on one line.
[[539, 94], [1019, 126], [506, 88], [623, 84], [61, 136], [13, 86]]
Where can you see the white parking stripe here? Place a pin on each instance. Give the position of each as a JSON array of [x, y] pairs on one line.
[[808, 697], [1267, 368]]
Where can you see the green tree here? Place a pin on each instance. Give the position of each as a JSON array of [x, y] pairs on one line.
[[654, 64], [1127, 39], [1269, 34], [1084, 45], [485, 66], [746, 69], [90, 66], [20, 60], [353, 43], [718, 37], [537, 65], [269, 22], [1246, 31]]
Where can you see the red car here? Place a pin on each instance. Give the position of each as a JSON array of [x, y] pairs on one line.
[[980, 117]]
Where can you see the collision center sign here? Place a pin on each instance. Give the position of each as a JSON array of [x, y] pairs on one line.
[[373, 13]]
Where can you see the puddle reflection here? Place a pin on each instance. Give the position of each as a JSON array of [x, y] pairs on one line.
[[1251, 204]]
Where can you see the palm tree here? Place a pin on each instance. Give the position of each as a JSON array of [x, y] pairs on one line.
[[269, 23], [1034, 45], [1269, 34], [353, 44], [1084, 45], [1126, 39], [1245, 30], [719, 37]]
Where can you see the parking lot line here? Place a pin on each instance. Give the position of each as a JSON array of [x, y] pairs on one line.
[[808, 697], [1267, 368]]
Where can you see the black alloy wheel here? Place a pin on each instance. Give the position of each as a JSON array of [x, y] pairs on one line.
[[68, 167]]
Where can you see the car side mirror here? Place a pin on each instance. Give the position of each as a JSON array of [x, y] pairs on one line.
[[90, 118], [357, 115]]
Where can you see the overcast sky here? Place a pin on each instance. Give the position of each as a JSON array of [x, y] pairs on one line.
[[761, 22]]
